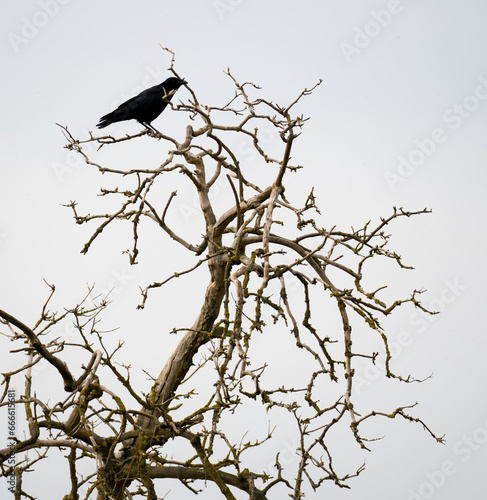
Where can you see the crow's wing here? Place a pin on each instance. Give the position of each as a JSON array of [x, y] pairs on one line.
[[144, 107]]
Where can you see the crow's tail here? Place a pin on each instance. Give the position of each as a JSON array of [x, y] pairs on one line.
[[115, 116], [103, 123]]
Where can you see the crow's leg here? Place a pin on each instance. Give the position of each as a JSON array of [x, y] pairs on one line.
[[150, 128]]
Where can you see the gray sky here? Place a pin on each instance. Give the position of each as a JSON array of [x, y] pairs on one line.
[[400, 120]]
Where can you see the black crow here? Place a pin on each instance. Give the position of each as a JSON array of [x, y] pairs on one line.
[[146, 106]]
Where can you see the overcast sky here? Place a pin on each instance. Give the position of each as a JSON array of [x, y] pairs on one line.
[[400, 120]]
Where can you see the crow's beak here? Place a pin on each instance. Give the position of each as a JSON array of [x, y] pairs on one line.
[[183, 82]]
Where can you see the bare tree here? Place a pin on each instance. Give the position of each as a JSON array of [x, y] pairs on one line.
[[270, 265]]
